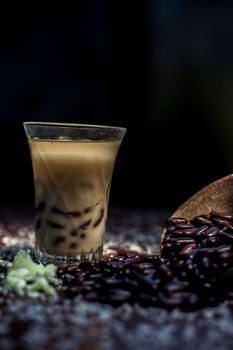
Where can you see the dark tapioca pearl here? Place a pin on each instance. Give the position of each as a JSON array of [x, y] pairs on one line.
[[100, 218], [73, 245], [74, 233], [184, 226], [216, 214], [40, 206], [84, 225], [75, 214], [87, 210], [58, 240], [82, 235], [61, 212], [201, 220], [97, 203], [38, 224], [54, 224], [188, 248], [56, 210], [175, 221]]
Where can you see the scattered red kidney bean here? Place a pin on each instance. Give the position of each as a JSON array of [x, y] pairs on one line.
[[193, 271]]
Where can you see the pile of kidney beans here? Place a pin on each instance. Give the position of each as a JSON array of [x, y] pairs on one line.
[[194, 270]]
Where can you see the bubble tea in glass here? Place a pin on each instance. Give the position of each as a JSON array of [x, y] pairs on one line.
[[73, 166]]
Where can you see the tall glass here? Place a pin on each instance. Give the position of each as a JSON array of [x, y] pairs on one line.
[[73, 166]]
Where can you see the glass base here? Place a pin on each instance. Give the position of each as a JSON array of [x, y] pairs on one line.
[[59, 260]]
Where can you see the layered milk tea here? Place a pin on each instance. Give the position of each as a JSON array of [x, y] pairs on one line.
[[72, 183]]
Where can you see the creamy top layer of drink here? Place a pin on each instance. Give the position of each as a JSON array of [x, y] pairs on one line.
[[72, 182]]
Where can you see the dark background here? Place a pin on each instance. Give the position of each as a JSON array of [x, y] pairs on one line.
[[163, 69]]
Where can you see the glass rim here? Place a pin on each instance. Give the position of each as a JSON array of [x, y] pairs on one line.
[[73, 125]]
